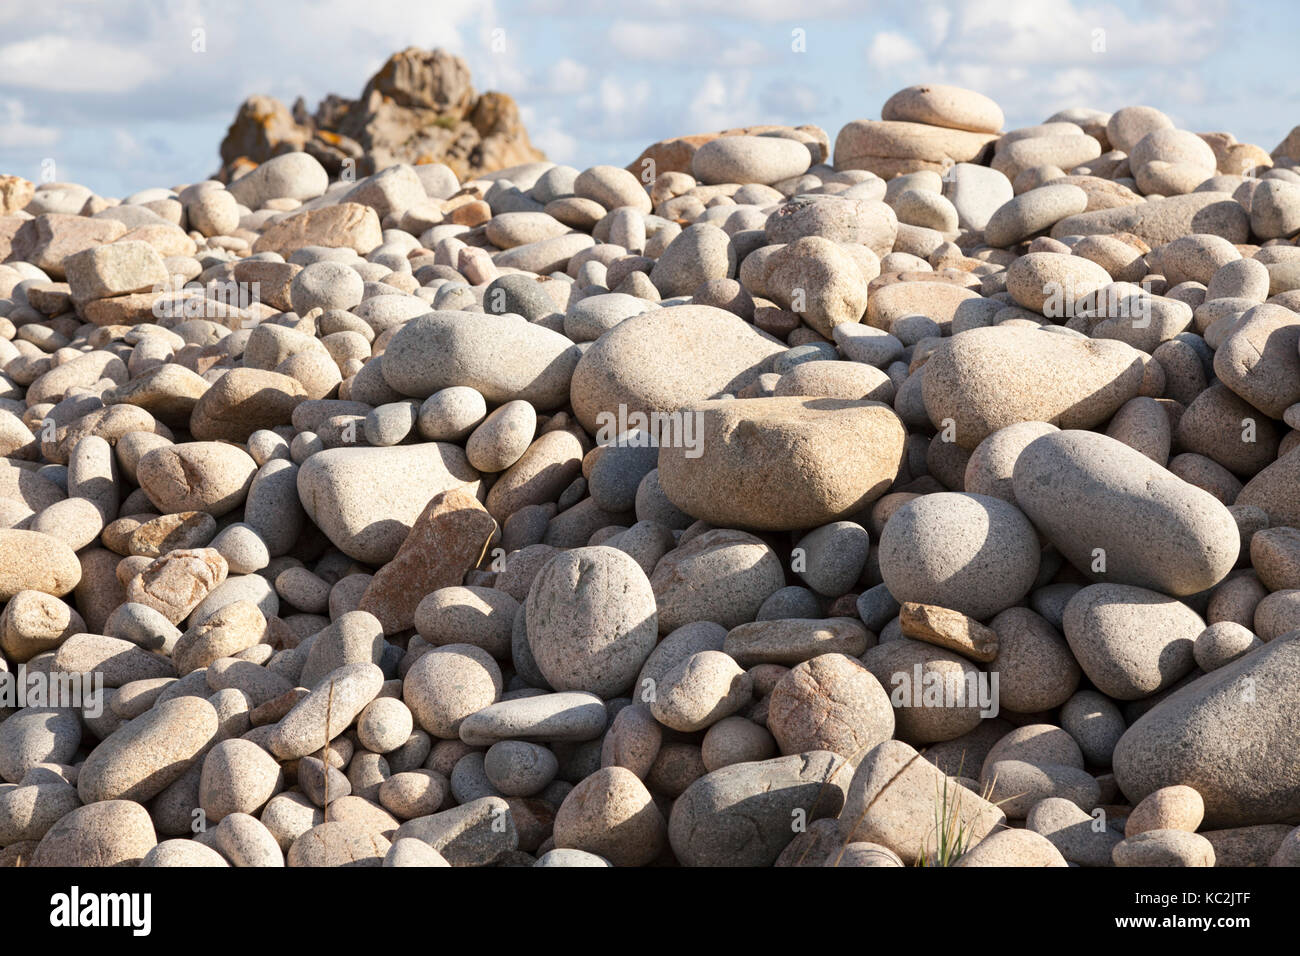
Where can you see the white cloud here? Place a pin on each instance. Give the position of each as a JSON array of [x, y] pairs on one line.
[[641, 40], [125, 146], [721, 102], [937, 20], [760, 10], [684, 41], [615, 109], [792, 102], [890, 50], [141, 46], [502, 72], [67, 65], [559, 146], [546, 134], [1058, 32], [17, 133], [566, 77], [748, 51]]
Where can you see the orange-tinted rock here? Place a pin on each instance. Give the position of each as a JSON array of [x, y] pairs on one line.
[[98, 593], [174, 584], [346, 224], [49, 239], [242, 401], [447, 540]]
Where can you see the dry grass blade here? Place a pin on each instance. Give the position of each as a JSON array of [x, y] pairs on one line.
[[325, 753], [822, 790], [870, 803], [951, 834], [991, 787]]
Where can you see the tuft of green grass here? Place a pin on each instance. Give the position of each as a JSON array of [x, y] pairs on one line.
[[952, 835]]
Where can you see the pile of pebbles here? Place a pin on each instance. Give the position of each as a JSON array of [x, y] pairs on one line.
[[977, 488]]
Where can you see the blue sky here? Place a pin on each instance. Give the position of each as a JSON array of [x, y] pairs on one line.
[[115, 94]]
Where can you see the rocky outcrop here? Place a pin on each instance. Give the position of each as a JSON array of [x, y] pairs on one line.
[[421, 107]]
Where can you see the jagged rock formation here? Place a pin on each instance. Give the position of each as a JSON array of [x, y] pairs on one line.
[[420, 107]]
